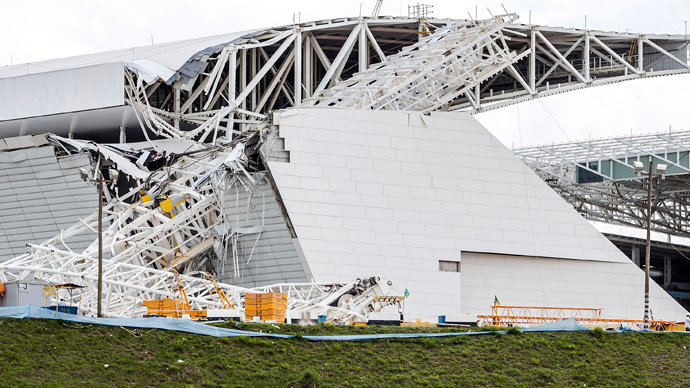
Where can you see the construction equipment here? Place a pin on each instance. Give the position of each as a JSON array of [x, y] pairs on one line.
[[505, 316], [177, 306], [217, 290]]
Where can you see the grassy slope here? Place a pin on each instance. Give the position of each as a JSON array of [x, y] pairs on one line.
[[53, 353]]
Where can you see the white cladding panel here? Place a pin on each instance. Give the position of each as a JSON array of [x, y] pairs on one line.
[[390, 194], [617, 288], [63, 91]]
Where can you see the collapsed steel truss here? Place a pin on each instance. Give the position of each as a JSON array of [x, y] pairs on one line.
[[383, 63], [433, 72], [598, 179], [171, 218]]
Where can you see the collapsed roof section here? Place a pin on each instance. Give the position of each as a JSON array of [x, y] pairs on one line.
[[196, 209], [229, 82]]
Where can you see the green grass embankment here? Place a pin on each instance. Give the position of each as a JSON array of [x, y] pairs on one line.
[[62, 354]]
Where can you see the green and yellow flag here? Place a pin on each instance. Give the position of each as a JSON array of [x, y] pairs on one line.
[[407, 293], [496, 302]]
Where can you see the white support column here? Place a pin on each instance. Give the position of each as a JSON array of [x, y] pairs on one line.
[[232, 89], [307, 69], [585, 58], [363, 48], [533, 62], [243, 75], [176, 106], [640, 55], [297, 69], [255, 91], [123, 134]]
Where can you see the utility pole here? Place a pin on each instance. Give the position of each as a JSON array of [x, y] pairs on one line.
[[648, 248], [661, 172], [100, 181]]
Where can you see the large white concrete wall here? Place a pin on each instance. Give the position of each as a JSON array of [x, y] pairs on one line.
[[618, 288], [390, 194]]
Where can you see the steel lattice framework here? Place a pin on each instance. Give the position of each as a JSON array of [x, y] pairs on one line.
[[383, 63], [598, 179], [431, 73], [224, 94]]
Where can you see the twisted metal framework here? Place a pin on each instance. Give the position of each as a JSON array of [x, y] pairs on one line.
[[170, 220], [379, 63], [223, 94], [431, 73], [598, 179]]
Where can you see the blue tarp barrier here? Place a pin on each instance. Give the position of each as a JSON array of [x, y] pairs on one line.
[[187, 326], [184, 325]]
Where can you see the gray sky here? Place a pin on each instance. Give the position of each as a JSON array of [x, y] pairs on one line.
[[35, 30]]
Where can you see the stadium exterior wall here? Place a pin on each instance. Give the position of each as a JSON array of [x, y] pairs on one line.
[[394, 194]]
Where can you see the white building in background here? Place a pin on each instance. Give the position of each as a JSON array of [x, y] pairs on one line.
[[331, 155]]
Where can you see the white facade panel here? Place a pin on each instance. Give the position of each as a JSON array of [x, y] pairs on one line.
[[503, 211], [63, 91]]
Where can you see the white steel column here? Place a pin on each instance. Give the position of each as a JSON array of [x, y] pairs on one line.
[[533, 62], [243, 74], [363, 48], [640, 55], [585, 58], [176, 106], [307, 67], [297, 69], [232, 85], [255, 91]]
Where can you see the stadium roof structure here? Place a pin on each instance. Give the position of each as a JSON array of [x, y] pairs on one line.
[[267, 112], [598, 178], [395, 63]]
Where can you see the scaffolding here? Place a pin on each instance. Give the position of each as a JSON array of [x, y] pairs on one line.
[[507, 316]]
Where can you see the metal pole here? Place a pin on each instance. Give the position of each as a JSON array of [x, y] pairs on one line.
[[646, 259], [100, 242]]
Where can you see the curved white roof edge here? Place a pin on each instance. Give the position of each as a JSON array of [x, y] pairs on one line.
[[171, 55]]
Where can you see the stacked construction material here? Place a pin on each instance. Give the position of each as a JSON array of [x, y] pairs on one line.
[[163, 307], [269, 306]]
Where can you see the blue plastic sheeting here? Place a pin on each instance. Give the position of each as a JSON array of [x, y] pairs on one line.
[[184, 325], [187, 326], [569, 324]]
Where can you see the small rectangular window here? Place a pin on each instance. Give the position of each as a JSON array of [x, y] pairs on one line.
[[449, 266], [24, 287]]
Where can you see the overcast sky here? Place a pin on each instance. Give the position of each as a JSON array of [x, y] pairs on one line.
[[35, 30]]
